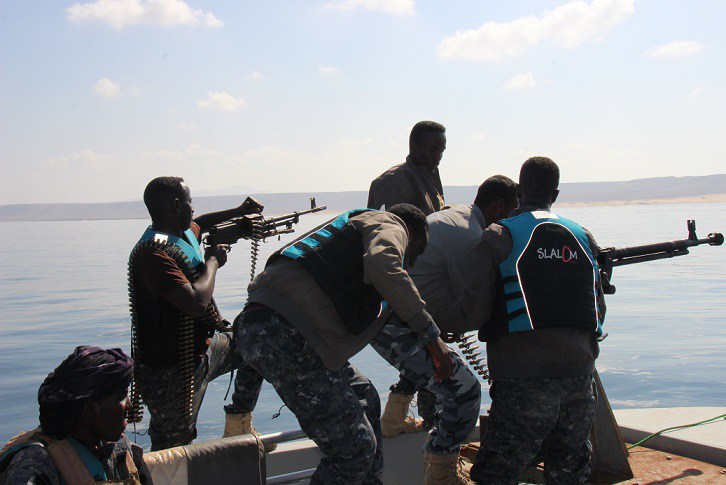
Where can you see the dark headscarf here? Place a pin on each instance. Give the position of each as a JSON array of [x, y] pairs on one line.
[[87, 372]]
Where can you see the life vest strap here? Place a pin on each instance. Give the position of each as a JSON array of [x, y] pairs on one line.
[[68, 463]]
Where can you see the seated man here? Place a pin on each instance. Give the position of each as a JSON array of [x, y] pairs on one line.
[[455, 297], [83, 405], [178, 339], [318, 302], [541, 338]]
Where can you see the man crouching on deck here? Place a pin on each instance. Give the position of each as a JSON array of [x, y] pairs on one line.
[[174, 318], [446, 277], [318, 302]]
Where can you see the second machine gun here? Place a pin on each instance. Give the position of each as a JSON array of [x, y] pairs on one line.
[[608, 258], [257, 228]]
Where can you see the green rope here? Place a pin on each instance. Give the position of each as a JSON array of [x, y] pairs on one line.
[[684, 426]]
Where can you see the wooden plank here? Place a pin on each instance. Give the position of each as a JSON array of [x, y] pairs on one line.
[[609, 454]]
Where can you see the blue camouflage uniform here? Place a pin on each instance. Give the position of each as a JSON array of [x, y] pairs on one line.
[[319, 301]]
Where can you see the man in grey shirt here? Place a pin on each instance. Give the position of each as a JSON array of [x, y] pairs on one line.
[[445, 274], [446, 277]]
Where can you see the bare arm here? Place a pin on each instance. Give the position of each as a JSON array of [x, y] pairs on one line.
[[193, 298]]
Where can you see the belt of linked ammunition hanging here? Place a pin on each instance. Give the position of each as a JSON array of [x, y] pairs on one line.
[[257, 236], [185, 339], [470, 351]]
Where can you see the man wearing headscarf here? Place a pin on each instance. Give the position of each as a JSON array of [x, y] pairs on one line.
[[83, 405]]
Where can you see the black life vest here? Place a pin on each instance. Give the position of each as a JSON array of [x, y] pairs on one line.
[[550, 279], [333, 255]]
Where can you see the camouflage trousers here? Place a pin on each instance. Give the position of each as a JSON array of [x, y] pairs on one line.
[[159, 389], [546, 417], [458, 399], [339, 410]]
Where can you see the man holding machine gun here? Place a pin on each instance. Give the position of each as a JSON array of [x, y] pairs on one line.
[[320, 300], [542, 337], [175, 342]]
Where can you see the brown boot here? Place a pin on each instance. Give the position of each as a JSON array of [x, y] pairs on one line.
[[395, 419], [239, 424], [446, 470]]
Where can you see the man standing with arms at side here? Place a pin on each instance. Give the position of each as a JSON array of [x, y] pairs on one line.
[[175, 341], [458, 300], [416, 182], [542, 338]]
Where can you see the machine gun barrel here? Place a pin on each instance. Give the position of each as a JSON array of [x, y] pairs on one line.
[[662, 250], [612, 257], [270, 225]]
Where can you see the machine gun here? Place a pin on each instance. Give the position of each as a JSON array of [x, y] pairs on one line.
[[257, 228], [611, 257]]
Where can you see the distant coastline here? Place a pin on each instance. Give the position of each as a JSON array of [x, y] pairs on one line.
[[660, 190], [706, 198]]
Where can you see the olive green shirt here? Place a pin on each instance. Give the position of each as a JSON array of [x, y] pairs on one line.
[[410, 183]]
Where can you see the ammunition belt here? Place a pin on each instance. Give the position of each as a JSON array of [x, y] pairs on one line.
[[257, 236], [185, 338], [470, 351]]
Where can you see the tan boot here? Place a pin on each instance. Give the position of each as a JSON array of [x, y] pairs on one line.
[[239, 424], [446, 470], [395, 419]]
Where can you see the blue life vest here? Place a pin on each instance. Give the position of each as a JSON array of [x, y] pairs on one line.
[[333, 255], [550, 279], [151, 342], [192, 251]]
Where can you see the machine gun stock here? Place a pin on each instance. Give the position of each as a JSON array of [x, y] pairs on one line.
[[611, 257], [256, 226]]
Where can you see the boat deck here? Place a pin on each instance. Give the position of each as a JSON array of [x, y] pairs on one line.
[[706, 442], [662, 462], [651, 467], [693, 455]]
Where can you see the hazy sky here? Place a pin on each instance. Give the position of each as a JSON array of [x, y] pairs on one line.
[[99, 97]]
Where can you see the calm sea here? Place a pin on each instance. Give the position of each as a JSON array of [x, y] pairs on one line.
[[64, 284]]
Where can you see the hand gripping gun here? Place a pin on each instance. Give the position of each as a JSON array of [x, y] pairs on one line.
[[257, 228], [608, 258]]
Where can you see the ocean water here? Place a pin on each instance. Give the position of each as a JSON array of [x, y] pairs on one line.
[[63, 284]]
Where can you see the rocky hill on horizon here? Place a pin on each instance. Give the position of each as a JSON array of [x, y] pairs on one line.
[[578, 192]]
